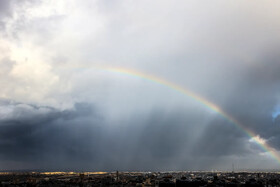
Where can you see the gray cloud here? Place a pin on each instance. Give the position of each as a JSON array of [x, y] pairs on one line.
[[82, 139], [69, 112], [7, 9]]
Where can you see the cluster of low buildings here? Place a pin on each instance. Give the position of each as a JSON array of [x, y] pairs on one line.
[[149, 179]]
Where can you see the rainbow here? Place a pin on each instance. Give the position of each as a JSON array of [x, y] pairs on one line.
[[254, 137]]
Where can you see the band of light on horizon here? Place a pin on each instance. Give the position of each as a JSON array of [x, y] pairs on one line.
[[253, 136]]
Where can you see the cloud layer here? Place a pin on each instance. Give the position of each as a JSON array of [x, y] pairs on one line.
[[61, 109]]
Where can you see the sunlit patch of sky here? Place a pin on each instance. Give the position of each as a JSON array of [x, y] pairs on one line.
[[276, 112]]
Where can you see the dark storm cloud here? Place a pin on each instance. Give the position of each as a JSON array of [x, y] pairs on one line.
[[31, 135], [82, 139]]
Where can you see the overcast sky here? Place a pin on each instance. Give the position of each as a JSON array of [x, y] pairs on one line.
[[61, 110]]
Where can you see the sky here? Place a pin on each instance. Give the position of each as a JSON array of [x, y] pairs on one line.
[[63, 108]]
